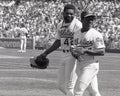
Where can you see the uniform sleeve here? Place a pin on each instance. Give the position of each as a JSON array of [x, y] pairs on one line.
[[77, 34], [57, 35], [98, 40], [25, 30], [78, 25]]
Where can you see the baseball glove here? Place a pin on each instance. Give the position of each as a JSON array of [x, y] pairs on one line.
[[39, 62]]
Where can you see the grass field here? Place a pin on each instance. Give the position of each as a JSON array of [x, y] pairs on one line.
[[17, 78]]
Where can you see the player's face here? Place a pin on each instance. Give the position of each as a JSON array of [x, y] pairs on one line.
[[68, 15], [86, 23]]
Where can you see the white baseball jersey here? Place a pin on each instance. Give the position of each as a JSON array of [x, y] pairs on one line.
[[93, 40], [23, 31], [68, 33]]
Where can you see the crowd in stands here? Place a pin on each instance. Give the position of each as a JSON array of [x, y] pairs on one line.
[[40, 19]]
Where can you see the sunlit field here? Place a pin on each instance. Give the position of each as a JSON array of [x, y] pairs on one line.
[[17, 78]]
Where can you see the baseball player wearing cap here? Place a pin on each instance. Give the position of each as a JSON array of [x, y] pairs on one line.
[[88, 67], [67, 31], [23, 38]]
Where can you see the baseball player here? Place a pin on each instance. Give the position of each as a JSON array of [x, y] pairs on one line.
[[88, 67], [67, 31], [23, 38]]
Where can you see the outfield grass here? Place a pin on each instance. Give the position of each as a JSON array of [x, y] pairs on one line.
[[17, 78]]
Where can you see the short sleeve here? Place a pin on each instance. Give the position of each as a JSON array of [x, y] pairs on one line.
[[26, 31], [57, 35], [98, 40]]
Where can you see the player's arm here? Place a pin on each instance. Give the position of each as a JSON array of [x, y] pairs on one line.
[[96, 52], [98, 48], [55, 46]]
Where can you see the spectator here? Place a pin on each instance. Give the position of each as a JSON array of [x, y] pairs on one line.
[[33, 15]]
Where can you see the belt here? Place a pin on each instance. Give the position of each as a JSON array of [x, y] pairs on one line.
[[66, 51]]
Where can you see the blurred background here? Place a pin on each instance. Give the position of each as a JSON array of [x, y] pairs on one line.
[[41, 17]]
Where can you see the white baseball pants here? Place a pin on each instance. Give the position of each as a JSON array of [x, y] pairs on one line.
[[67, 75], [87, 79]]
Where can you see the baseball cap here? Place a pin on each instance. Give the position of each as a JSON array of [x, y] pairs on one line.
[[88, 15]]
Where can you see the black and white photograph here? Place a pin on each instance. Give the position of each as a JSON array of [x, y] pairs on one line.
[[59, 47]]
